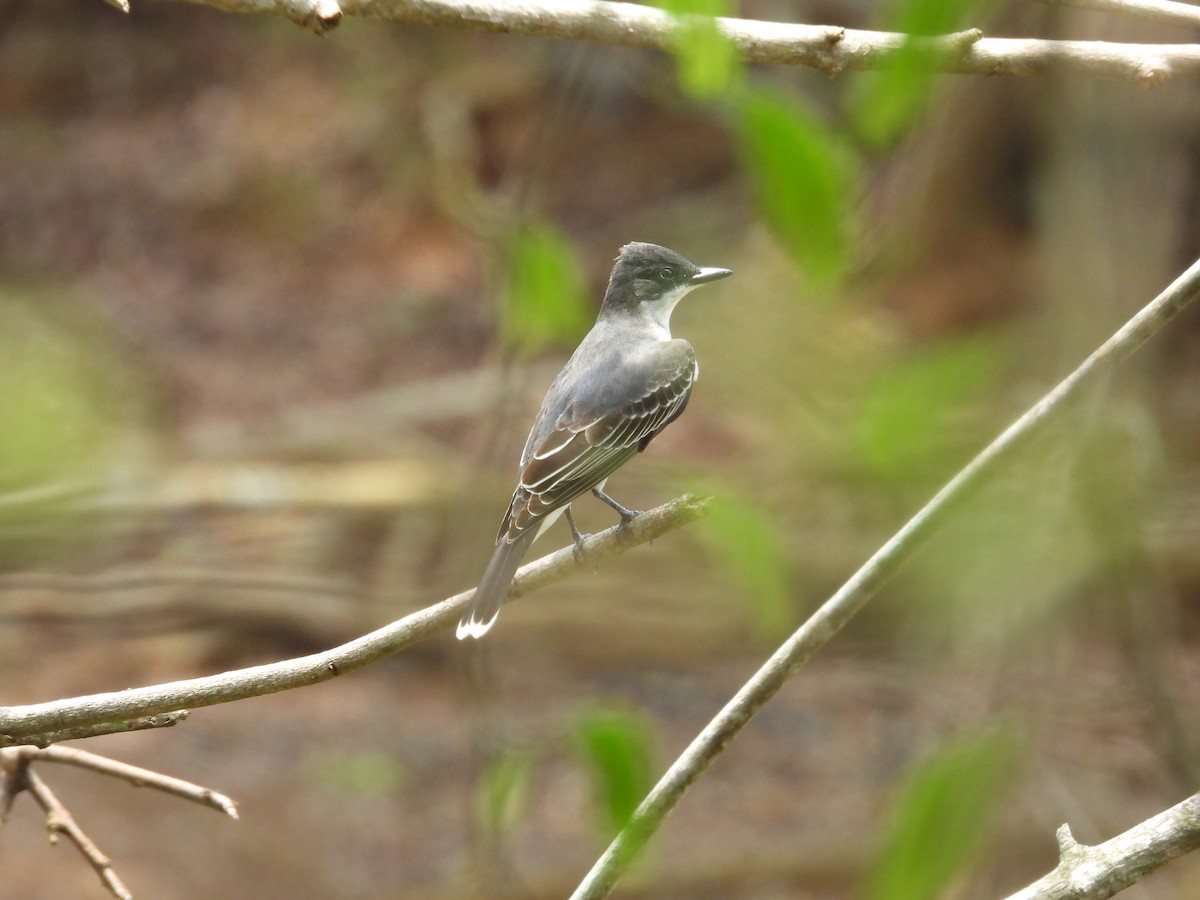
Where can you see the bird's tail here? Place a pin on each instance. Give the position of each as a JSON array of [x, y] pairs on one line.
[[494, 584]]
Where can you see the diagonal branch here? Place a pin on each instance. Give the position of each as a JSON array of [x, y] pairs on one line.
[[1100, 871], [854, 594], [828, 48], [42, 723]]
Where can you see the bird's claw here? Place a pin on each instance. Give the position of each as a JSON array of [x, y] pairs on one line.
[[577, 536], [577, 547]]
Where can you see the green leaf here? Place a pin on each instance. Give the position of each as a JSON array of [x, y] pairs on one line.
[[747, 542], [72, 419], [908, 425], [547, 300], [617, 747], [803, 179], [941, 816], [56, 398], [707, 62], [503, 792], [885, 103]]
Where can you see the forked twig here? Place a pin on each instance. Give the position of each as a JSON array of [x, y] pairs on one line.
[[16, 766]]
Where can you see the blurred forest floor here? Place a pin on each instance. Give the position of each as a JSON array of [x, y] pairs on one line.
[[272, 268]]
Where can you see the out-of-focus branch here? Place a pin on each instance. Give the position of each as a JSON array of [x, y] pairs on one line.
[[854, 594], [1100, 871], [40, 723], [830, 49]]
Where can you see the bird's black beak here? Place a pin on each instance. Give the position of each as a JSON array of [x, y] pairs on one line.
[[704, 276]]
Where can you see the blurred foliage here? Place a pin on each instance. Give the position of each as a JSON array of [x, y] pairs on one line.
[[804, 182], [617, 747], [802, 172], [69, 410], [747, 542], [502, 795], [547, 296], [911, 427], [707, 63], [373, 773], [942, 814], [1009, 558], [885, 103]]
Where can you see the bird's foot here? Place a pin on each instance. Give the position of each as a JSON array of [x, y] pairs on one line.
[[627, 515], [577, 536]]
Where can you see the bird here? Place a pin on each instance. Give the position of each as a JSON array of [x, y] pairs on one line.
[[626, 381]]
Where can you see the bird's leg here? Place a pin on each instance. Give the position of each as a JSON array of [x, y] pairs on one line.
[[625, 513], [577, 535]]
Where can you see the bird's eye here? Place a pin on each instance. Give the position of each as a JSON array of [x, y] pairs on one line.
[[666, 273]]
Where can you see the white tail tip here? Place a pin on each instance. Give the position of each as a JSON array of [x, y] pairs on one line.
[[471, 628]]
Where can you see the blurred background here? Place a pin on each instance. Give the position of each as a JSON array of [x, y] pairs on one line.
[[275, 314]]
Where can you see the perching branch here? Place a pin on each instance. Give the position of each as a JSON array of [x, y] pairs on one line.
[[17, 776], [1094, 873], [833, 615], [42, 723], [828, 48]]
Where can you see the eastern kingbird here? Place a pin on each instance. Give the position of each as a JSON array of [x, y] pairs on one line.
[[626, 382]]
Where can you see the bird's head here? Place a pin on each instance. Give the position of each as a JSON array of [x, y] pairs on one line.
[[652, 279]]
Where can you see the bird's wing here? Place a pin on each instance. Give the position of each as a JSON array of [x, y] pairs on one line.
[[587, 444]]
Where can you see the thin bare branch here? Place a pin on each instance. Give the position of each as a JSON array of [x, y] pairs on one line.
[[1100, 871], [60, 821], [44, 723], [854, 594], [135, 775], [828, 48], [14, 767]]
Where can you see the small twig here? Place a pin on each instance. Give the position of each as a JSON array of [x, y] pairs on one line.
[[16, 766], [135, 775], [13, 767], [1159, 10], [1100, 871], [60, 821], [78, 732], [43, 723], [854, 594]]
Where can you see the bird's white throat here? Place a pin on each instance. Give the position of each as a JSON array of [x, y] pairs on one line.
[[658, 311]]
